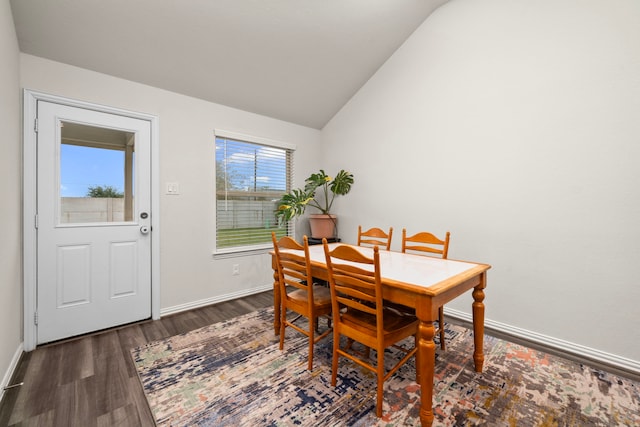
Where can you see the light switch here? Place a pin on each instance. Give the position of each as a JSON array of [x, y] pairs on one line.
[[173, 188]]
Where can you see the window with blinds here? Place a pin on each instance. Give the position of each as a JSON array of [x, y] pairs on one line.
[[251, 177]]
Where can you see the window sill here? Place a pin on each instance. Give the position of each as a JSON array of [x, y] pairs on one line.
[[242, 252]]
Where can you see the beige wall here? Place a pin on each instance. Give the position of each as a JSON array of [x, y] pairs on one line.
[[189, 274], [515, 125], [10, 209]]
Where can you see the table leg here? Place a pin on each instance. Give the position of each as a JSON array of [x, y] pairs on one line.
[[276, 303], [478, 323], [426, 365]]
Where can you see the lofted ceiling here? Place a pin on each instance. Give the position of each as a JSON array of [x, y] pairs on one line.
[[293, 60]]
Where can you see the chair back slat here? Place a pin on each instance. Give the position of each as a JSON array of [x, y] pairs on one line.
[[425, 243], [354, 286], [375, 237], [293, 268]]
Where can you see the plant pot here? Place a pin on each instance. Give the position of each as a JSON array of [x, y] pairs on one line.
[[322, 225]]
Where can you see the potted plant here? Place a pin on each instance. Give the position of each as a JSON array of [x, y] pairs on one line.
[[295, 202]]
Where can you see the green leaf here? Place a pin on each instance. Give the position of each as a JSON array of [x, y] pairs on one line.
[[341, 184], [296, 201]]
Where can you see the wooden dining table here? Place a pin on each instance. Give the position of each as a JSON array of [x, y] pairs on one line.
[[423, 283]]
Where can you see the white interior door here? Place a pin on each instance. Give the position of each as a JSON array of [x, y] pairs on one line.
[[93, 220]]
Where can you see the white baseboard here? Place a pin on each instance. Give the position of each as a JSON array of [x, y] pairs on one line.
[[555, 343], [11, 369], [214, 300]]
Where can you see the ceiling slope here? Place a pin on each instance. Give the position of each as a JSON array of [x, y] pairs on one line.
[[294, 60]]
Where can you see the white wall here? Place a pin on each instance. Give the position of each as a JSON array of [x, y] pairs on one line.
[[10, 209], [189, 274], [515, 124]]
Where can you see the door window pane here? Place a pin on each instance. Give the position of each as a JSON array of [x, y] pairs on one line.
[[96, 174]]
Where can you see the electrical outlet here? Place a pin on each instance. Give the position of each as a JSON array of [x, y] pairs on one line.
[[236, 269]]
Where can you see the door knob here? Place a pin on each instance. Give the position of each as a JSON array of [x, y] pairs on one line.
[[145, 229]]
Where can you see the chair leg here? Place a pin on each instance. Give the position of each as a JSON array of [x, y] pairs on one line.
[[283, 325], [312, 327], [349, 343], [418, 371], [441, 325], [334, 359], [380, 387]]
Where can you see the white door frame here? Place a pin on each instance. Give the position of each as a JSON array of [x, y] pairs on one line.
[[29, 196]]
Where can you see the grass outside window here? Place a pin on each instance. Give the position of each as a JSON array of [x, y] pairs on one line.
[[248, 236]]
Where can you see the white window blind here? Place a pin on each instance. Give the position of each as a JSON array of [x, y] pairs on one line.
[[250, 179]]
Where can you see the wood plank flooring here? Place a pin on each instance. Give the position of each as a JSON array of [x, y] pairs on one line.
[[91, 381]]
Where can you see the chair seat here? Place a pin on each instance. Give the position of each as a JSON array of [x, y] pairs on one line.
[[399, 309], [402, 310], [321, 295], [366, 322]]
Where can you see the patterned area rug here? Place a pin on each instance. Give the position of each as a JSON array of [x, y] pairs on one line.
[[233, 374]]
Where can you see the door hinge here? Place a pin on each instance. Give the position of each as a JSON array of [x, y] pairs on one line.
[[35, 221], [35, 318], [35, 125]]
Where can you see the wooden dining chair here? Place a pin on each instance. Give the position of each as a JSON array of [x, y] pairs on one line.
[[298, 293], [359, 314], [425, 243], [375, 237]]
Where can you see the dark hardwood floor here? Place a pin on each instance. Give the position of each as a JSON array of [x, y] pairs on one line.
[[91, 380]]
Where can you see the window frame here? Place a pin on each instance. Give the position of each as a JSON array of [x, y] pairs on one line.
[[251, 139]]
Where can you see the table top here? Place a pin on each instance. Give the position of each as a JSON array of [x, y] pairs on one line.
[[422, 273]]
